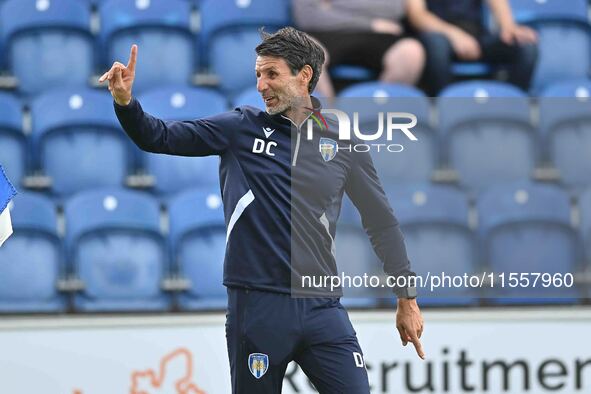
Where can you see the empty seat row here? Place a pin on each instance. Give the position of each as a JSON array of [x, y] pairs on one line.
[[484, 134], [77, 142], [487, 132], [519, 228], [114, 255], [38, 35], [44, 32], [96, 2], [120, 252]]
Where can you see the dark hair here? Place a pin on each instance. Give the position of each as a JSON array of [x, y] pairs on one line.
[[296, 48]]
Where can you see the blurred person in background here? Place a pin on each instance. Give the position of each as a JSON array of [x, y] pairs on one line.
[[454, 30], [362, 33]]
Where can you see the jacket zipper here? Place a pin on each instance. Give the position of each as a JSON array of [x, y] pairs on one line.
[[297, 149]]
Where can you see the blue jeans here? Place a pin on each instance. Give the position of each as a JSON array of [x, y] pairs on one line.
[[519, 60]]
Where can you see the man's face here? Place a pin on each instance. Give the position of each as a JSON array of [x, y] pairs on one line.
[[279, 88]]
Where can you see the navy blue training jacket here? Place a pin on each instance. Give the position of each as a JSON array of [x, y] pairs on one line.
[[281, 197]]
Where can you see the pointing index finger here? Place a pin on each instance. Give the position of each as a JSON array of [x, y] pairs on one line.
[[132, 58], [418, 346]]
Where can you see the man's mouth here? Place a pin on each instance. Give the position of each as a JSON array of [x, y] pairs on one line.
[[269, 100]]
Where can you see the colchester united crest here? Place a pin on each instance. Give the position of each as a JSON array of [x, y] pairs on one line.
[[328, 148], [258, 363]]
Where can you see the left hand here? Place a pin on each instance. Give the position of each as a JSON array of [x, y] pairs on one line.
[[520, 34], [409, 323]]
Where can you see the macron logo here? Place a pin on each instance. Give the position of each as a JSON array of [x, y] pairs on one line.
[[268, 131]]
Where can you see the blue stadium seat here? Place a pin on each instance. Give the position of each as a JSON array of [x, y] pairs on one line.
[[381, 90], [31, 260], [352, 73], [47, 43], [471, 69], [565, 126], [526, 228], [486, 133], [77, 140], [115, 247], [419, 158], [434, 220], [355, 257], [198, 243], [161, 29], [536, 10], [13, 143], [249, 96], [235, 31], [564, 33], [173, 173], [571, 88], [96, 3]]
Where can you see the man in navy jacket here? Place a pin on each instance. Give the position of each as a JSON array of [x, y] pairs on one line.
[[282, 190]]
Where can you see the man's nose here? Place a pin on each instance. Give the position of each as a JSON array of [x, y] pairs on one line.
[[262, 85]]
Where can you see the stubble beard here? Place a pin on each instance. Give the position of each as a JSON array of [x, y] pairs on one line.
[[287, 102]]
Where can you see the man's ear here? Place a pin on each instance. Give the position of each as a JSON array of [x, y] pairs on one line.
[[306, 74]]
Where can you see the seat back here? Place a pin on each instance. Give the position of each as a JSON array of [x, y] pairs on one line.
[[399, 159], [198, 243], [161, 29], [116, 248], [526, 11], [355, 257], [38, 36], [558, 41], [563, 33], [174, 173], [486, 133], [13, 144], [434, 220], [236, 31], [77, 140], [31, 260], [526, 228], [565, 126]]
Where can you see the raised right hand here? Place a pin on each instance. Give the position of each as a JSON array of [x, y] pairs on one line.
[[121, 78]]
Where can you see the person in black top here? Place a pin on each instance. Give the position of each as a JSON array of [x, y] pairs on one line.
[[454, 30]]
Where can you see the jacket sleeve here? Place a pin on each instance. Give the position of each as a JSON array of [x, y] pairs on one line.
[[201, 137], [377, 217]]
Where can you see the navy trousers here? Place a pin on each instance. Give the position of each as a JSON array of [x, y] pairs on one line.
[[265, 331]]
